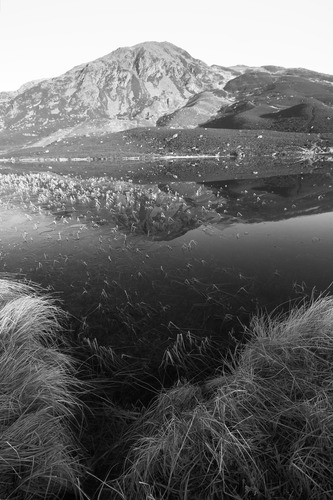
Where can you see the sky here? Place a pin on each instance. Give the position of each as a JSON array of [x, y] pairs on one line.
[[45, 38]]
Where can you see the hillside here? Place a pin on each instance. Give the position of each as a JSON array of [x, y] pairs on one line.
[[287, 101], [157, 83]]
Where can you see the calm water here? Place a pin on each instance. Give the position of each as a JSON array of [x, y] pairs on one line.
[[137, 263]]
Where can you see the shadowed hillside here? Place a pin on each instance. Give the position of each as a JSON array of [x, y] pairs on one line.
[[288, 103]]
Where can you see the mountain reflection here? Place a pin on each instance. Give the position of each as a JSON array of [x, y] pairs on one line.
[[274, 198]]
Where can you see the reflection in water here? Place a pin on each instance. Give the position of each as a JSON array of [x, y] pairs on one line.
[[180, 255], [275, 198]]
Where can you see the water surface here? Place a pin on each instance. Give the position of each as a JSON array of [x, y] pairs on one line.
[[136, 264]]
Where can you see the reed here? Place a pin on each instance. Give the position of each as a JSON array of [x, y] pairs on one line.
[[38, 411], [262, 428]]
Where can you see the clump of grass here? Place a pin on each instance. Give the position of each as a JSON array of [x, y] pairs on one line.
[[312, 153], [38, 449], [191, 357], [262, 429], [140, 209]]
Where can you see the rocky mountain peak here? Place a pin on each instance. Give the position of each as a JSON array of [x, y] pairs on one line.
[[132, 86], [165, 51]]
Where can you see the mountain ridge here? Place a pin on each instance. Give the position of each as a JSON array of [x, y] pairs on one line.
[[155, 83]]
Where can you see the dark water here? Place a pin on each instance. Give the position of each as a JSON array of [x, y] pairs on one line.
[[136, 264]]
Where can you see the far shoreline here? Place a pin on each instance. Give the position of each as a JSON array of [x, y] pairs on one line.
[[159, 154]]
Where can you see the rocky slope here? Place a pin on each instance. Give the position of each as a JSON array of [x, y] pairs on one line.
[[132, 86], [198, 109]]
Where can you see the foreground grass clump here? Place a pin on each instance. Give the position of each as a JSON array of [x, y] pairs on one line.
[[262, 429], [38, 449]]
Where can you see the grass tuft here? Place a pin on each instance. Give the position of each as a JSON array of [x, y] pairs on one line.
[[38, 448], [262, 429]]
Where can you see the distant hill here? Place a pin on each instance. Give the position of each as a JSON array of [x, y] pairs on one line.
[[286, 100], [157, 83]]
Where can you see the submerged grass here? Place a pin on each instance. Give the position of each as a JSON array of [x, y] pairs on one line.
[[38, 413], [263, 428], [139, 209]]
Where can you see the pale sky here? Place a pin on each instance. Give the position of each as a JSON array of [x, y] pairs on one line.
[[45, 38]]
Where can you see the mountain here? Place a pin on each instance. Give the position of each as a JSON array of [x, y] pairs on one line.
[[132, 86], [157, 83], [6, 96]]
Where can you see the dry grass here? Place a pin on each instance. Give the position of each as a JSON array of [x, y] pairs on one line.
[[38, 448], [262, 429]]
